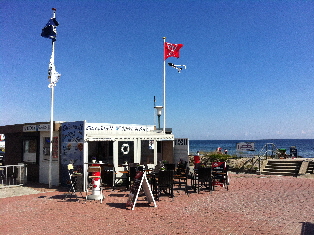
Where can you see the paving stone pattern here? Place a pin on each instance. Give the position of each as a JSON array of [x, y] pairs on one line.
[[253, 205]]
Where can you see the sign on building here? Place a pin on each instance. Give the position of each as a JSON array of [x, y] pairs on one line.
[[245, 149], [38, 127]]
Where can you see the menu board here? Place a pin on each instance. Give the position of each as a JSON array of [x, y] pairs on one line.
[[140, 181]]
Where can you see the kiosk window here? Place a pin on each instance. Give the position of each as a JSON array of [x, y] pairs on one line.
[[147, 151], [126, 152], [30, 148]]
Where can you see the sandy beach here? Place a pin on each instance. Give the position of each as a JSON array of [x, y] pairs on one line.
[[254, 204]]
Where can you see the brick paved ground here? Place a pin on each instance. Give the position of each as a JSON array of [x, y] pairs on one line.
[[253, 205]]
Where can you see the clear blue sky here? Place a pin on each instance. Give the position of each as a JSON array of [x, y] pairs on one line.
[[250, 65]]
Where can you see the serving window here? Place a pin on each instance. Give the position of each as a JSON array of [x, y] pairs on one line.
[[147, 151]]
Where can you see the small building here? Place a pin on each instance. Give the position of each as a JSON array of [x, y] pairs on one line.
[[27, 143], [78, 142]]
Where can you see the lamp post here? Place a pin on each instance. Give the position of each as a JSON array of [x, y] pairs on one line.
[[159, 110]]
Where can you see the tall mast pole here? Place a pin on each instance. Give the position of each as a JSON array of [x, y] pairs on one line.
[[164, 128], [51, 133], [52, 86]]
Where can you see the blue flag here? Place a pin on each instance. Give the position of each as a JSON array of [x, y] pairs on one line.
[[50, 30]]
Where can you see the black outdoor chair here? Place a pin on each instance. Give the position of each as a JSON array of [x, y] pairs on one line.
[[75, 183], [170, 166], [133, 169], [165, 184], [140, 168], [181, 178], [181, 167], [108, 176], [220, 174], [132, 174], [203, 179]]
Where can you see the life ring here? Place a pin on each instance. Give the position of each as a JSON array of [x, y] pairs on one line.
[[125, 149]]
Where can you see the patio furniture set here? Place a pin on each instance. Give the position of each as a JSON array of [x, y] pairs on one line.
[[161, 180]]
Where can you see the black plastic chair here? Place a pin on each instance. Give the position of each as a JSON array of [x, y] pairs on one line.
[[182, 179], [140, 168], [75, 183], [165, 184], [170, 166], [181, 167], [108, 176], [203, 179]]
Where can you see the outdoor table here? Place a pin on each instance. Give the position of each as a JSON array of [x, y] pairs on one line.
[[126, 179]]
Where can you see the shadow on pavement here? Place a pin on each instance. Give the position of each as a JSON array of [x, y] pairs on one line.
[[307, 228]]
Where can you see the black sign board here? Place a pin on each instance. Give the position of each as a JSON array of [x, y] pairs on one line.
[[140, 181]]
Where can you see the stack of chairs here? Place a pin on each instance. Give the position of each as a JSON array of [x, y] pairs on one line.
[[220, 174], [96, 183]]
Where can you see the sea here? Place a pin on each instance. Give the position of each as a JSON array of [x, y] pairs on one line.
[[304, 147]]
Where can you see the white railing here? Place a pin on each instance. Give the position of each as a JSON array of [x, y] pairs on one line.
[[13, 175], [269, 150]]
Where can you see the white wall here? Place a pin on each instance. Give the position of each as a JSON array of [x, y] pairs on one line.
[[181, 149]]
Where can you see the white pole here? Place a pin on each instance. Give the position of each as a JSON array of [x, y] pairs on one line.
[[51, 133], [164, 129], [51, 85]]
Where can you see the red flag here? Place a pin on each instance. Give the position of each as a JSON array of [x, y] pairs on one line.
[[172, 50]]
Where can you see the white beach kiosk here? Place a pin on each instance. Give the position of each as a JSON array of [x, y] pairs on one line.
[[115, 144]]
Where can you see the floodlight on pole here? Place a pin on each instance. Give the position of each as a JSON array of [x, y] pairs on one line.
[[159, 111]]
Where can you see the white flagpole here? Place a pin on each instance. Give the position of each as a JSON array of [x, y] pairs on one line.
[[164, 128], [51, 133], [52, 86]]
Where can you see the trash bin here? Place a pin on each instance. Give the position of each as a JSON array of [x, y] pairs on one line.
[[197, 159], [282, 151], [293, 151]]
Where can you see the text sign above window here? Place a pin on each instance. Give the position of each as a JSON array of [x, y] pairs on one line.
[[38, 127]]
